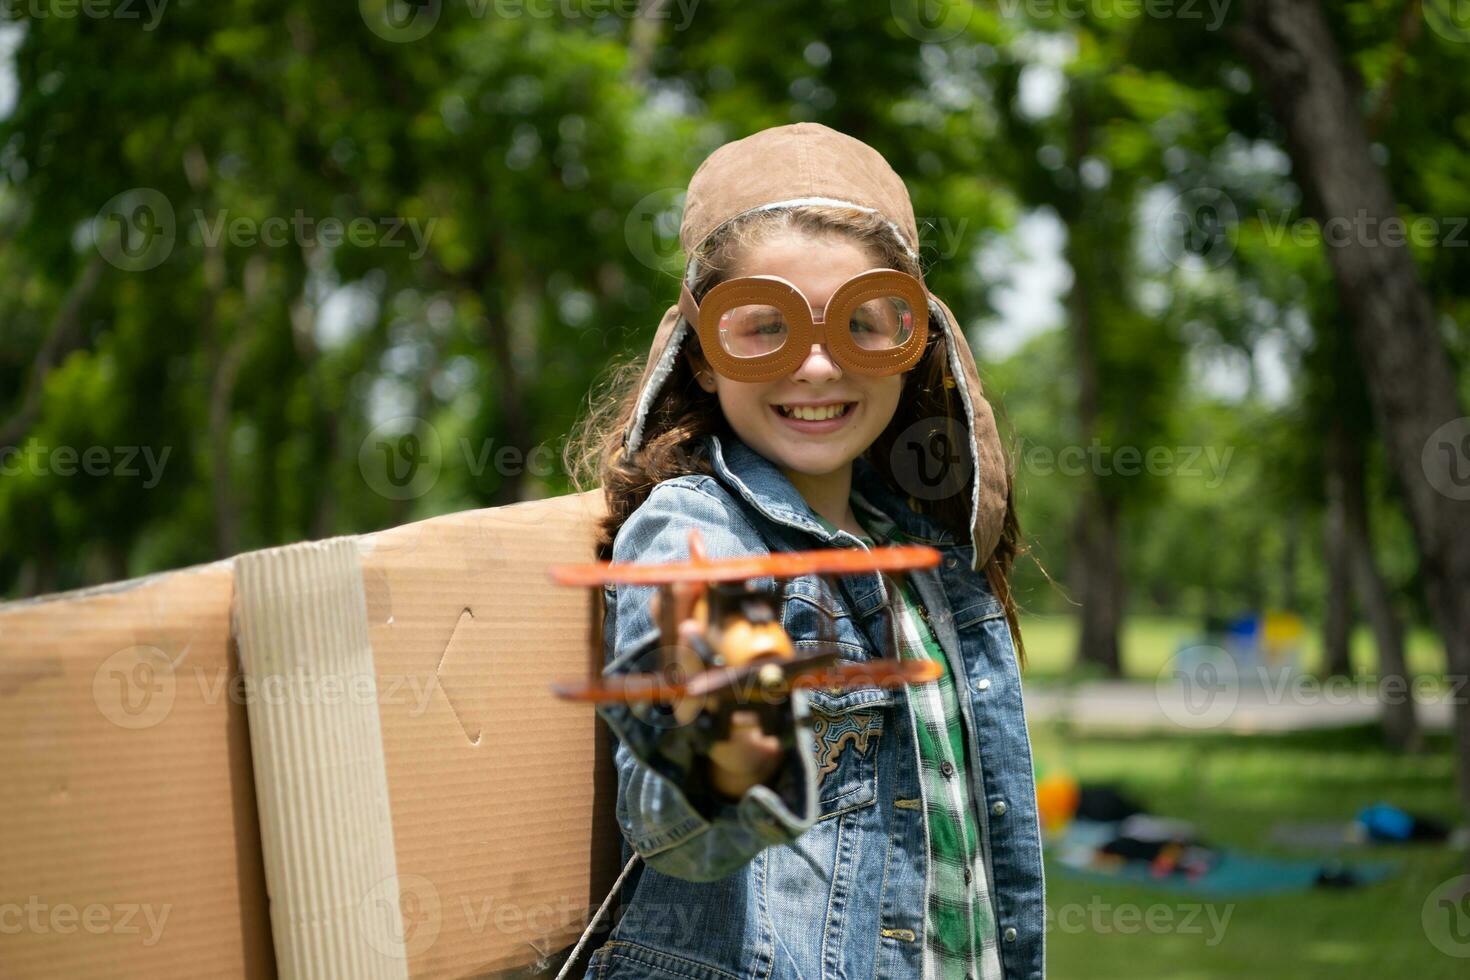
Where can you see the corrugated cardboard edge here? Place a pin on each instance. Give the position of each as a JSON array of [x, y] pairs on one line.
[[320, 776]]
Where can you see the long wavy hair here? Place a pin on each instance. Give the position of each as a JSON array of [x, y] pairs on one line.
[[683, 413]]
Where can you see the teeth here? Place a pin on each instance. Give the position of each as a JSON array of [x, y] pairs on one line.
[[811, 414]]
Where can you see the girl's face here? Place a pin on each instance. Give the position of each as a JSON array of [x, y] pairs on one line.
[[766, 415]]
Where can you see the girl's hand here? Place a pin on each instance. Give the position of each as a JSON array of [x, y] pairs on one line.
[[747, 757]]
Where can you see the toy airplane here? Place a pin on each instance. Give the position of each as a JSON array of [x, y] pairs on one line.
[[721, 645]]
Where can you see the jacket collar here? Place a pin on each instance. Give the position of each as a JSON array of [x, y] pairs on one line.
[[762, 484]]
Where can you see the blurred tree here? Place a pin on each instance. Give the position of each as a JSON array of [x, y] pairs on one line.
[[1293, 51], [490, 167], [1097, 151]]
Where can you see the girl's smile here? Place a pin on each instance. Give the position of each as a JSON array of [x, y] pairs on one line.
[[816, 417]]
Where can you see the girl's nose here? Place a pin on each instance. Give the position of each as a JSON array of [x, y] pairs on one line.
[[818, 367]]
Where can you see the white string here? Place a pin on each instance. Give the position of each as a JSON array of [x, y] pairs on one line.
[[596, 918]]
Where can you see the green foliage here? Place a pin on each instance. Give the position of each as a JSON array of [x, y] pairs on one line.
[[531, 169]]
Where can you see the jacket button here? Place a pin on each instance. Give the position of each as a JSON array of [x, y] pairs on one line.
[[998, 808], [982, 684], [1010, 934], [967, 876], [947, 768]]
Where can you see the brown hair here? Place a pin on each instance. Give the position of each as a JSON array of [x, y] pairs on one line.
[[683, 412]]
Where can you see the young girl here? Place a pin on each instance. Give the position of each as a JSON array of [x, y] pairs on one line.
[[836, 405]]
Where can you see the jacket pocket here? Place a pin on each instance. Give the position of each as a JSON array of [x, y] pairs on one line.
[[976, 606], [619, 959], [847, 726]]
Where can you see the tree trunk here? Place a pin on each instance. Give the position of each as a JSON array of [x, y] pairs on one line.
[[63, 337], [1400, 727], [1395, 691], [510, 335], [1290, 561], [221, 455], [1096, 569], [1410, 380], [1338, 622], [1099, 582]]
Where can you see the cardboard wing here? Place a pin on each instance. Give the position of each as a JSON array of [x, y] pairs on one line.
[[337, 757]]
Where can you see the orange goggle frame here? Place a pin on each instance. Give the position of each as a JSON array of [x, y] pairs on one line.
[[804, 330]]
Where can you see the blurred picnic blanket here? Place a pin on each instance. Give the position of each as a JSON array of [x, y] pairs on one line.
[[1111, 838]]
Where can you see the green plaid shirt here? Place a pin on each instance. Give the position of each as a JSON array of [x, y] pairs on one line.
[[959, 935]]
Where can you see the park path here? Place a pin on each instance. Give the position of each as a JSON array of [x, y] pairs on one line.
[[1141, 706]]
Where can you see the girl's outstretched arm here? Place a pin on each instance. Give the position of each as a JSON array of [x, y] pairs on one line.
[[700, 835]]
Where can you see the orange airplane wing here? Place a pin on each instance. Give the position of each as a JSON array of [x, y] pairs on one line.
[[783, 564]]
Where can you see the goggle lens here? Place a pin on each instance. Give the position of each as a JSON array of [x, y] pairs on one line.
[[882, 323], [753, 330], [756, 329]]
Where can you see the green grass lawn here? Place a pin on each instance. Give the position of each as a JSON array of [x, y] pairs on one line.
[[1234, 788], [1150, 640]]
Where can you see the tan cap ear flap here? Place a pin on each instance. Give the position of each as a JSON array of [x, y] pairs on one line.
[[666, 342], [992, 481]]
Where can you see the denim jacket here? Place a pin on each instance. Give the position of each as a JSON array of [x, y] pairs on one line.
[[820, 874]]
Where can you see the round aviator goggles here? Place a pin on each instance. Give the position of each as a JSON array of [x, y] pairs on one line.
[[760, 328]]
